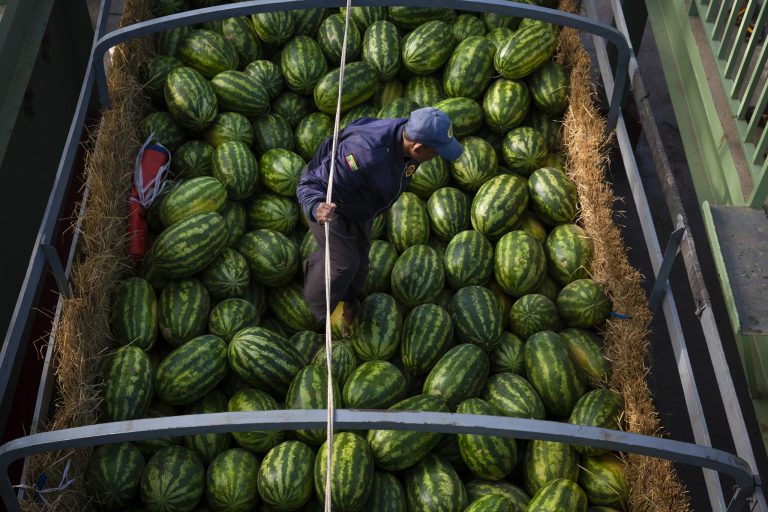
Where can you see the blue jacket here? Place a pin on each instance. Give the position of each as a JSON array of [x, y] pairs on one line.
[[370, 170]]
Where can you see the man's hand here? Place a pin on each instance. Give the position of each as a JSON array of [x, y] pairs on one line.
[[324, 212]]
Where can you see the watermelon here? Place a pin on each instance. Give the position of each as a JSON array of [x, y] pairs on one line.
[[359, 85], [428, 47], [272, 132], [524, 150], [281, 171], [525, 50], [271, 256], [387, 493], [512, 395], [603, 481], [239, 32], [133, 317], [351, 472], [466, 114], [302, 63], [307, 21], [127, 377], [433, 484], [375, 332], [268, 75], [274, 27], [231, 481], [515, 495], [311, 132], [476, 316], [582, 303], [505, 104], [308, 390], [550, 87], [208, 446], [231, 315], [249, 399], [499, 204], [476, 165], [533, 313], [407, 222], [546, 461], [553, 195], [306, 343], [386, 92], [183, 310], [197, 195], [559, 494], [489, 457], [173, 480], [358, 112], [235, 166], [427, 335], [418, 276], [271, 211], [288, 305], [492, 502], [149, 447], [264, 359], [192, 159], [285, 476], [424, 90], [468, 25], [191, 370], [468, 71], [459, 374], [190, 98], [586, 350], [381, 49], [157, 71], [292, 107], [601, 408], [468, 260], [569, 253], [208, 52], [165, 129], [330, 37], [411, 17], [519, 263], [508, 355], [240, 92], [531, 224], [343, 360], [448, 210], [552, 373], [496, 34], [227, 276], [394, 450], [226, 127], [168, 41], [374, 385], [381, 260], [364, 17], [113, 475]]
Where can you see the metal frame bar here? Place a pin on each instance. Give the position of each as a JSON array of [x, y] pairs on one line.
[[345, 419]]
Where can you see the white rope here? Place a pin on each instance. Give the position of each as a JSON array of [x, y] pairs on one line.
[[328, 333]]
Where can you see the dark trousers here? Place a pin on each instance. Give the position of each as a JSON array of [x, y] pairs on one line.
[[350, 242]]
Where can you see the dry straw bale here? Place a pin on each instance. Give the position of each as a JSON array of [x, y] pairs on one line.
[[654, 483], [82, 334]]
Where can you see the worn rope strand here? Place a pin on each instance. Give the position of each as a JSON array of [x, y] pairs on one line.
[[328, 331]]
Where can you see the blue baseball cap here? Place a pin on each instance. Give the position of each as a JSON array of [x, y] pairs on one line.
[[432, 127]]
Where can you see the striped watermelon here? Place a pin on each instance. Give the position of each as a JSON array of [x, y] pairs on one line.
[[285, 476], [429, 176], [272, 132], [231, 481], [553, 195], [374, 385], [208, 446], [505, 104], [240, 92], [208, 52], [183, 310], [466, 115], [133, 317], [386, 92], [586, 350], [308, 390], [476, 165], [425, 90], [499, 204], [149, 447], [411, 17], [582, 303], [239, 32], [157, 71], [274, 27], [173, 480], [512, 395], [271, 211], [459, 374], [508, 355], [364, 17], [601, 408], [427, 335], [280, 171], [418, 276], [375, 332], [235, 166], [228, 126], [231, 315], [292, 107], [249, 399], [468, 25], [165, 129], [381, 260], [256, 295], [603, 481], [428, 47], [306, 343], [269, 76], [387, 494], [552, 373], [489, 457], [525, 50], [307, 21], [343, 360], [494, 21], [502, 298], [492, 502], [546, 461], [351, 470], [302, 63], [359, 85], [190, 98], [468, 260], [192, 370], [264, 359], [533, 313], [524, 150], [379, 226], [288, 305], [358, 112], [407, 222], [476, 317], [272, 257], [497, 35], [227, 276], [515, 495], [433, 484], [311, 132], [394, 450], [569, 253], [113, 475], [197, 195], [531, 224], [519, 263], [448, 210], [468, 71], [381, 49], [559, 494], [330, 37], [548, 288], [550, 88]]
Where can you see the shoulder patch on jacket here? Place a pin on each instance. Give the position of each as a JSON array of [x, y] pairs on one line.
[[351, 162]]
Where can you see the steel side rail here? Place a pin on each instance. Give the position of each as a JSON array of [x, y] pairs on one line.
[[259, 6], [346, 419]]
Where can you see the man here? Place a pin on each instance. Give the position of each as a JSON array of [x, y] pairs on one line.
[[374, 163]]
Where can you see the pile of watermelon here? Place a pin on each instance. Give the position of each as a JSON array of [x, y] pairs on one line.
[[478, 299]]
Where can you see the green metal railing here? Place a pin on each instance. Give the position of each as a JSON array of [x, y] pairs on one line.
[[736, 32]]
